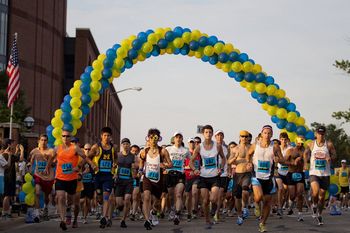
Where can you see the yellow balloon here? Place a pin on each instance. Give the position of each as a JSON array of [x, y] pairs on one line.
[[208, 50], [191, 53], [152, 38], [126, 43], [291, 117], [95, 86], [115, 74], [198, 54], [56, 122], [307, 143], [147, 47], [247, 66], [96, 75], [58, 113], [77, 123], [226, 67], [219, 47], [75, 102], [57, 132], [178, 43], [28, 177], [28, 187], [76, 113], [97, 65], [196, 34], [101, 57], [132, 38], [91, 103], [280, 93], [264, 106], [236, 66], [58, 142], [186, 36], [74, 132], [228, 48], [281, 113], [257, 68], [94, 96], [260, 88], [272, 110], [119, 63], [77, 83], [300, 121], [292, 136], [243, 83], [271, 89], [334, 179], [122, 52], [218, 65], [75, 92], [160, 31], [250, 87]]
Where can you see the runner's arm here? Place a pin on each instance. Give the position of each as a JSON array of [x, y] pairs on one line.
[[306, 156], [332, 151], [193, 158], [233, 157], [223, 157], [141, 161], [166, 158], [278, 153]]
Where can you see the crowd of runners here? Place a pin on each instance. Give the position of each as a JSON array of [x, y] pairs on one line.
[[199, 178]]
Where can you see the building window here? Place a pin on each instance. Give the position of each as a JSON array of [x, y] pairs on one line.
[[3, 33]]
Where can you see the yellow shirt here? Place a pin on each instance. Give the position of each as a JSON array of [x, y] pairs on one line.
[[343, 177]]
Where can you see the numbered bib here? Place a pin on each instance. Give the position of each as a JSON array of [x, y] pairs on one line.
[[196, 164], [87, 177], [177, 164], [264, 166], [284, 168], [41, 165], [153, 175], [105, 165], [210, 163], [320, 164], [67, 168], [297, 177], [124, 173]]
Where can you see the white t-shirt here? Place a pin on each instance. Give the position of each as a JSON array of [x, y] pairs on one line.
[[3, 163], [178, 156]]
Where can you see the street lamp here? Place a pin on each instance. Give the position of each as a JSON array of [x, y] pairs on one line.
[[28, 122], [114, 93]]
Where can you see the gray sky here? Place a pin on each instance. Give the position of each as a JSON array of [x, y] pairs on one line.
[[296, 42]]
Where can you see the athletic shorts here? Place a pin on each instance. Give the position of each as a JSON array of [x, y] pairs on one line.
[[69, 187], [154, 188], [242, 182], [141, 186], [123, 187], [283, 178], [136, 182], [173, 178], [103, 183], [190, 182], [46, 185], [224, 183], [88, 191], [9, 187], [293, 178], [344, 190], [268, 186], [208, 182], [323, 181]]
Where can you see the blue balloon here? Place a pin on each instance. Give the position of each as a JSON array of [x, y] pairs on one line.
[[108, 63], [239, 76], [223, 57], [292, 144], [212, 40], [132, 54], [254, 94], [68, 127], [85, 99], [106, 73], [105, 84], [178, 31], [128, 63], [310, 135], [277, 86], [67, 98], [85, 78], [194, 45], [274, 119], [66, 107], [333, 189], [88, 69], [41, 200], [205, 58], [85, 109], [281, 124], [187, 30], [261, 98], [111, 54], [291, 127], [301, 130], [176, 51], [291, 107], [282, 103], [298, 113], [169, 36], [116, 47], [231, 74], [251, 61], [203, 41], [185, 49], [260, 77], [51, 138], [82, 118], [243, 57], [233, 56], [156, 51], [149, 31], [221, 41], [213, 59], [271, 100], [162, 43], [137, 44], [66, 117], [142, 36], [269, 80], [249, 77], [33, 182], [49, 129]]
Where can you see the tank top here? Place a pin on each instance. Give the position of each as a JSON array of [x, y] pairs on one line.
[[283, 169], [318, 162], [152, 167], [263, 161], [177, 157], [67, 160], [89, 176], [209, 160], [344, 177], [124, 166], [224, 173], [104, 160]]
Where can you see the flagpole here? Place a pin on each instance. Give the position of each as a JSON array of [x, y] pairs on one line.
[[10, 136]]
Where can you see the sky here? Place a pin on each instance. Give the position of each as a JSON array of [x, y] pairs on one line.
[[296, 42]]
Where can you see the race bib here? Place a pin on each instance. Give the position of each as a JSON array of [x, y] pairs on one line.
[[320, 164], [41, 165], [105, 165], [264, 166], [297, 177], [67, 168], [284, 168], [177, 164], [196, 164], [153, 175], [344, 174], [210, 163], [124, 173], [87, 177]]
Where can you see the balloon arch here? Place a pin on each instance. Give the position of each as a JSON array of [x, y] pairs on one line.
[[193, 43]]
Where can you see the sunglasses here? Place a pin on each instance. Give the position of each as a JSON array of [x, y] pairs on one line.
[[87, 149], [65, 136], [244, 136]]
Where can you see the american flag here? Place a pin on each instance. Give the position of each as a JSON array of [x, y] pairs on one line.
[[13, 72]]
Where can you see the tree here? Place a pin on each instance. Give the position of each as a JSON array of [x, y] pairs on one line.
[[20, 111], [342, 115], [343, 65], [339, 138]]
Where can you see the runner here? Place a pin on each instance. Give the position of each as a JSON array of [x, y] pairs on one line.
[[209, 171], [343, 173], [264, 154], [153, 159], [43, 181], [320, 152], [242, 178], [175, 175], [103, 156], [124, 179], [295, 176], [67, 169], [136, 197], [281, 179]]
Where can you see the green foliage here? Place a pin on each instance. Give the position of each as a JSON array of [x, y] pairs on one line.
[[342, 115], [339, 138], [343, 65], [20, 111]]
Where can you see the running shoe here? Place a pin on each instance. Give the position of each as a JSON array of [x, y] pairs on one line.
[[148, 225], [109, 223], [189, 218], [239, 221], [63, 226], [176, 220], [75, 224], [279, 212], [319, 220], [314, 211], [300, 217], [262, 227], [257, 211], [85, 221], [290, 212], [103, 222], [208, 225], [122, 224], [245, 213], [153, 218], [216, 219], [132, 217]]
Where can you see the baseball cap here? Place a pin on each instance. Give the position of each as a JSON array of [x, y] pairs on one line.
[[74, 140], [343, 161], [243, 133], [190, 140], [321, 129], [125, 140], [219, 131], [177, 133]]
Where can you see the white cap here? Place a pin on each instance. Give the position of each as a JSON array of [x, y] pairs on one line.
[[190, 140], [219, 131], [343, 161], [177, 133]]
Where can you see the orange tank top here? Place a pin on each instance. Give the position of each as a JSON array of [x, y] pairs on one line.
[[67, 160]]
